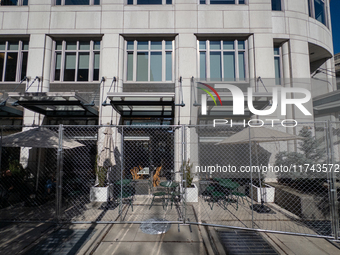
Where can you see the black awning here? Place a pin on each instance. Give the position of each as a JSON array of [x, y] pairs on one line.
[[327, 104], [143, 105], [55, 104], [10, 111]]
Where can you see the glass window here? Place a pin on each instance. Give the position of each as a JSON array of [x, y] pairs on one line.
[[141, 2], [77, 2], [149, 1], [277, 65], [76, 60], [317, 10], [13, 60], [149, 61], [222, 2], [276, 5], [320, 13], [13, 2], [224, 61]]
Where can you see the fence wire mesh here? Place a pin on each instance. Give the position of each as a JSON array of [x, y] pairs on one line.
[[27, 181], [271, 178]]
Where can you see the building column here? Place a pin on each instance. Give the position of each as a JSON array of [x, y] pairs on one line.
[[35, 68]]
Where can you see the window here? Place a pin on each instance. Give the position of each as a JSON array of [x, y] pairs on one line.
[[222, 60], [149, 61], [77, 2], [277, 65], [149, 2], [222, 1], [276, 5], [317, 10], [13, 60], [76, 60], [14, 2]]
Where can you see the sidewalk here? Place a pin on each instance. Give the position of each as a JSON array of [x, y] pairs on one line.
[[121, 239]]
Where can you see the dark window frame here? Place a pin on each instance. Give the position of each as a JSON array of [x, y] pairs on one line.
[[312, 11], [223, 2], [20, 64], [277, 5], [65, 2], [18, 3], [236, 50], [138, 2], [63, 51], [134, 51]]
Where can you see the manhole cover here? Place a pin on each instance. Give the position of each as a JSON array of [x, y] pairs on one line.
[[152, 227]]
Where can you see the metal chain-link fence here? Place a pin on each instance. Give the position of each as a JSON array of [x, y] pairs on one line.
[[270, 178]]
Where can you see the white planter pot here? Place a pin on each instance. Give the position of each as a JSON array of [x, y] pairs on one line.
[[191, 194], [99, 194], [268, 194]]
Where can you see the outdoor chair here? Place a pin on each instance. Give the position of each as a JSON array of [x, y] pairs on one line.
[[127, 194], [207, 192], [177, 196], [216, 196], [239, 195], [134, 174], [157, 194], [156, 178]]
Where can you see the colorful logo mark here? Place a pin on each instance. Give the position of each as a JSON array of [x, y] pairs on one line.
[[209, 93]]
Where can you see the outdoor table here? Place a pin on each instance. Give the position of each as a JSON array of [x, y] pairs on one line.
[[230, 186], [145, 170], [123, 182]]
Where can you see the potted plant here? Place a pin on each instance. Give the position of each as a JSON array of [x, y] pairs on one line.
[[267, 192], [191, 190], [99, 192]]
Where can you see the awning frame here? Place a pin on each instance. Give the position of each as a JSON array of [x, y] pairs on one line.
[[89, 109]]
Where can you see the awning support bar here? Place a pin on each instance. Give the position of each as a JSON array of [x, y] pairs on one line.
[[260, 79], [36, 78], [180, 93], [95, 95], [114, 80], [3, 103]]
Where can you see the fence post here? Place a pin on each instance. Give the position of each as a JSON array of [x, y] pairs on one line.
[[251, 181], [2, 127], [333, 190], [59, 174], [184, 178], [121, 173]]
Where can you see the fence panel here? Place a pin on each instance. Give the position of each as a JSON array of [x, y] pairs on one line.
[[27, 181], [122, 174], [334, 178], [195, 174], [230, 164]]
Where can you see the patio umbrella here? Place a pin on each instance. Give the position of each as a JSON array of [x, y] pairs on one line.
[[38, 138], [259, 135], [106, 155]]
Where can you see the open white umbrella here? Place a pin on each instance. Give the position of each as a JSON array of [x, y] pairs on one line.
[[106, 155], [257, 135], [38, 138]]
